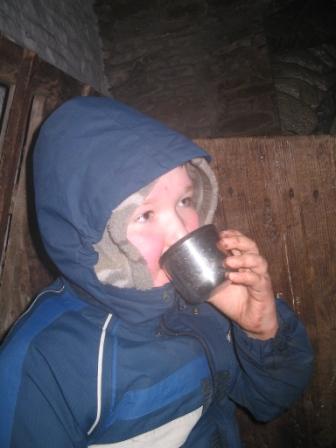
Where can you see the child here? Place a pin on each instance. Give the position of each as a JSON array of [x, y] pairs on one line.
[[110, 355]]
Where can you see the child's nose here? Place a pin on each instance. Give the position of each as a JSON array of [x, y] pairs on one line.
[[176, 229]]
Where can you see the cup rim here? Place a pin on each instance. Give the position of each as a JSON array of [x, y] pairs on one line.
[[179, 242]]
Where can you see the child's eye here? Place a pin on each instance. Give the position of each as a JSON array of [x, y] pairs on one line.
[[144, 217], [188, 201]]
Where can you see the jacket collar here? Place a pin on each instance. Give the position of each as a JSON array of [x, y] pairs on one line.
[[129, 304]]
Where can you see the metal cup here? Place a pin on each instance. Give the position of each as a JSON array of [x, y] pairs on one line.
[[195, 264]]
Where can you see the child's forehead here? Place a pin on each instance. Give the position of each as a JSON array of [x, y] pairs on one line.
[[177, 177], [174, 181], [179, 173]]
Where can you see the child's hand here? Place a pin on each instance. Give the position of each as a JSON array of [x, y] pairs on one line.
[[247, 296]]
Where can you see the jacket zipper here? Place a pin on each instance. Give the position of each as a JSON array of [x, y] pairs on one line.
[[204, 346]]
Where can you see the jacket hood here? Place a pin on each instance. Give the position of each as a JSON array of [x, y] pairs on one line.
[[90, 155]]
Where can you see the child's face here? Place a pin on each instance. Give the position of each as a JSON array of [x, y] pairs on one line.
[[165, 216]]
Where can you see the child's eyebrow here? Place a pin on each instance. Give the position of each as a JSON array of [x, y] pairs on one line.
[[148, 202], [189, 188]]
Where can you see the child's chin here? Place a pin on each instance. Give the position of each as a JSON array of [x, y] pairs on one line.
[[161, 279]]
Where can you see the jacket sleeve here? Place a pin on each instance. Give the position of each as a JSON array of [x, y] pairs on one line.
[[273, 373], [34, 413]]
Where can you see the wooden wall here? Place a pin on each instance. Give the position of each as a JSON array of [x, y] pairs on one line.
[[35, 88], [282, 192]]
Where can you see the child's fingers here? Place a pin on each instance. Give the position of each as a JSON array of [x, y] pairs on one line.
[[258, 283], [231, 232], [234, 252], [245, 278], [238, 242], [252, 262]]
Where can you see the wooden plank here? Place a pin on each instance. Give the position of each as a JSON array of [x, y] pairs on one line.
[[23, 273], [55, 85], [11, 154], [11, 56], [282, 192], [38, 89]]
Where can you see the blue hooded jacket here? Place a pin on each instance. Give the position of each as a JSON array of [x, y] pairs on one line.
[[92, 365]]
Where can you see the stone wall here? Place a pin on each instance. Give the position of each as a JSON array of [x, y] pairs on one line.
[[211, 68], [305, 81], [200, 66], [302, 44], [205, 67], [62, 32]]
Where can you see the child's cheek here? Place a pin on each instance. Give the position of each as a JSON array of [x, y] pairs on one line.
[[152, 252], [192, 221], [150, 245]]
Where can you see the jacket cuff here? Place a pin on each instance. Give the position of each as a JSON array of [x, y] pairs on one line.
[[259, 349]]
